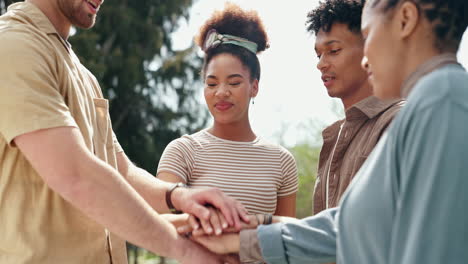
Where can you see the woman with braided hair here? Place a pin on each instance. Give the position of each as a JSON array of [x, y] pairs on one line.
[[229, 155]]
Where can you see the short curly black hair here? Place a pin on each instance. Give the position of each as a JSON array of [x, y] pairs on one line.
[[329, 12], [449, 19]]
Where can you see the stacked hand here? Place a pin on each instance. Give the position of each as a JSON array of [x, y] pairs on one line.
[[214, 221], [229, 214], [214, 233]]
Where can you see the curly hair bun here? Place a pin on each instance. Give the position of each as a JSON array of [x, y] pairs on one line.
[[235, 21]]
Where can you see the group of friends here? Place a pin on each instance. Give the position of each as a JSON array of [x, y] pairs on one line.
[[392, 175]]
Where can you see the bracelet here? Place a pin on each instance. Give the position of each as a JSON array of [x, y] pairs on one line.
[[169, 203], [258, 219], [267, 219]]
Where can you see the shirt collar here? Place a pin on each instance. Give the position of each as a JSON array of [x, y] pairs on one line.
[[33, 15], [365, 109], [368, 108], [425, 68]]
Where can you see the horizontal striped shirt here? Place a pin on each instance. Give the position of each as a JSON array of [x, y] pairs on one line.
[[255, 173]]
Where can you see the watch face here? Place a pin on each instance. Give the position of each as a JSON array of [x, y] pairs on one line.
[[212, 40]]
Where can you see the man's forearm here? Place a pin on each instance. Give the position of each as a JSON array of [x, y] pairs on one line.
[[101, 193], [60, 157], [191, 201], [149, 187]]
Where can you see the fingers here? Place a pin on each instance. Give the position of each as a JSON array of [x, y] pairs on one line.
[[215, 221], [226, 206], [193, 222], [198, 233], [224, 223], [233, 211], [199, 211], [193, 226], [182, 230], [176, 220], [206, 225], [240, 214], [219, 222], [243, 212]]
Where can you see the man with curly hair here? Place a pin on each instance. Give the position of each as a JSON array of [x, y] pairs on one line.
[[346, 143]]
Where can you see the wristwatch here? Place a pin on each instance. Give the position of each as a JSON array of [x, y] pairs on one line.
[[169, 191]]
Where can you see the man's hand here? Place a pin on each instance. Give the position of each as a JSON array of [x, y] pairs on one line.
[[194, 253], [191, 226], [223, 244], [194, 201]]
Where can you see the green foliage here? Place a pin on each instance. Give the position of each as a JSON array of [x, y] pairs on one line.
[[5, 3], [307, 162], [151, 88]]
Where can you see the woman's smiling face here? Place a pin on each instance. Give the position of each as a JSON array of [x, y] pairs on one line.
[[228, 89]]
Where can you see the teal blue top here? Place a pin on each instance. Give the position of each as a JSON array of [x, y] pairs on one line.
[[409, 202]]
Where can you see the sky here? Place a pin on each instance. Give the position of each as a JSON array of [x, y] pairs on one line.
[[292, 106]]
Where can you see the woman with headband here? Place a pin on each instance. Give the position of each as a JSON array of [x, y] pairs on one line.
[[408, 202], [229, 155]]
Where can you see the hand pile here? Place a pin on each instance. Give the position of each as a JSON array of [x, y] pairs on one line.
[[213, 221], [215, 233]]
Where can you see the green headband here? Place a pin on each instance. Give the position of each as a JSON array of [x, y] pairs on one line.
[[214, 39]]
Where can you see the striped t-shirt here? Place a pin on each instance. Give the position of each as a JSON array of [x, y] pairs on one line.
[[255, 173]]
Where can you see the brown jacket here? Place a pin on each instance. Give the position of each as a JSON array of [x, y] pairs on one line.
[[346, 145]]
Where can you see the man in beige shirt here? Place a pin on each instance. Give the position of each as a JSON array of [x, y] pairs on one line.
[[68, 192], [346, 143]]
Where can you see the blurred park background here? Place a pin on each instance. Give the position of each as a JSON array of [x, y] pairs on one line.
[[143, 55]]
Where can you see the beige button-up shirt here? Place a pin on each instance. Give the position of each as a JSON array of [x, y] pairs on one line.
[[346, 145], [44, 85]]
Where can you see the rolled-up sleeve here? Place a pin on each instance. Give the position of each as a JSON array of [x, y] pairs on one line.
[[249, 247], [310, 240]]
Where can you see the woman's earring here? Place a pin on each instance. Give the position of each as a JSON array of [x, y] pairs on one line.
[[253, 100]]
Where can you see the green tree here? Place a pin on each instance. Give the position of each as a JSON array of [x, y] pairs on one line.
[[307, 162], [151, 87], [4, 4]]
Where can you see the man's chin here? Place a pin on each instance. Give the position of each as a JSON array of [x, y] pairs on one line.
[[333, 94], [89, 23], [85, 26]]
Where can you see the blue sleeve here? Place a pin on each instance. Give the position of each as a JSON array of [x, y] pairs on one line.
[[310, 240], [431, 223]]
